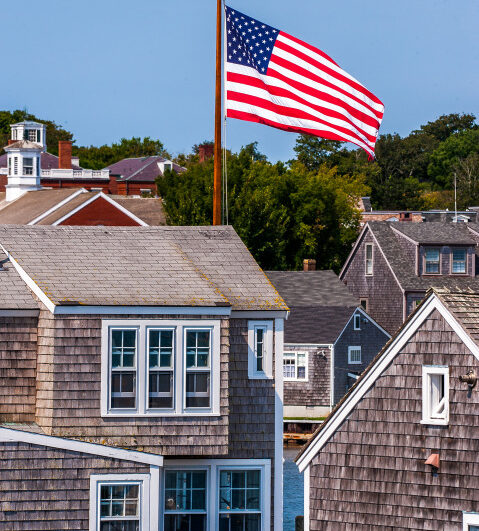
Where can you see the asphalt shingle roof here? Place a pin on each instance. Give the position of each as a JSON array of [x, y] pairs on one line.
[[436, 233], [140, 169], [141, 266], [14, 293]]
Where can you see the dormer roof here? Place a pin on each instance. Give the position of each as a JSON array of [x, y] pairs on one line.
[[436, 233]]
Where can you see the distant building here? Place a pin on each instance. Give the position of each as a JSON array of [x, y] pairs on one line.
[[134, 176], [392, 265], [328, 341], [400, 451]]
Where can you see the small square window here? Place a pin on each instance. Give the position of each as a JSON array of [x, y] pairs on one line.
[[431, 258], [260, 349], [459, 257], [357, 321], [435, 395], [354, 355]]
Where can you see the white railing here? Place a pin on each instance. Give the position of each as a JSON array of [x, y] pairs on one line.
[[76, 174]]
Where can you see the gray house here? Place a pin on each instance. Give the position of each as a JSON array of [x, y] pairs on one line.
[[400, 450], [392, 265], [328, 340], [140, 385]]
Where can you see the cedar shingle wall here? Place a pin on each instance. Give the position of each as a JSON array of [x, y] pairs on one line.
[[18, 351], [48, 489], [68, 395], [371, 340], [385, 298], [315, 391], [371, 474]]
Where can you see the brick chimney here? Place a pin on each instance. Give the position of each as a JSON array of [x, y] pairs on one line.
[[11, 141], [205, 151], [65, 154], [405, 216], [309, 264]]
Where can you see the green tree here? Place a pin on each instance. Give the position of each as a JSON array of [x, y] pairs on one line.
[[447, 125]]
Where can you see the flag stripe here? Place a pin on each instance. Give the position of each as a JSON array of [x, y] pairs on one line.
[[282, 98], [276, 79], [281, 89]]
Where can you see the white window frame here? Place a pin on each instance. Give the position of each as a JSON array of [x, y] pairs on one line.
[[143, 480], [357, 321], [295, 353], [469, 519], [142, 381], [214, 467], [350, 360], [369, 262], [427, 371], [267, 372], [439, 268]]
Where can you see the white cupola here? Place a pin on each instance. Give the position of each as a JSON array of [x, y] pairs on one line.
[[23, 167], [30, 131]]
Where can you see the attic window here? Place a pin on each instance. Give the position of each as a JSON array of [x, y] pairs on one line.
[[435, 395], [459, 257], [354, 355], [431, 259], [167, 166], [357, 321], [369, 259]]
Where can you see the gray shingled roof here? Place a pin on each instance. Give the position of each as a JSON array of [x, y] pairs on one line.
[[320, 305], [14, 293], [404, 269], [141, 266], [312, 288], [436, 233]]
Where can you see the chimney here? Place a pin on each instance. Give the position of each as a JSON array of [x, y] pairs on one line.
[[11, 141], [64, 154], [405, 216], [309, 264], [205, 151]]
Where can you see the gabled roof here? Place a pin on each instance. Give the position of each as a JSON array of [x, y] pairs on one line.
[[140, 266], [460, 310], [140, 169], [389, 237], [14, 293]]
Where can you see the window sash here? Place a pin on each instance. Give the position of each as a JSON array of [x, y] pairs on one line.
[[459, 260], [160, 354], [369, 259], [293, 362], [259, 346], [357, 322], [432, 258], [119, 372], [195, 373], [435, 395], [115, 503], [354, 355]]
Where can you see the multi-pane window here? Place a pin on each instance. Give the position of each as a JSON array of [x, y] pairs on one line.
[[435, 395], [9, 165], [354, 355], [260, 349], [294, 365], [431, 258], [120, 507], [369, 259], [160, 369], [15, 165], [32, 135], [459, 257], [185, 500], [240, 500], [27, 166], [123, 369], [198, 372], [259, 337]]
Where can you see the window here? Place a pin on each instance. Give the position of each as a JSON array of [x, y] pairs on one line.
[[459, 257], [240, 500], [27, 166], [185, 500], [167, 166], [14, 134], [119, 502], [470, 522], [260, 349], [435, 395], [431, 258], [364, 304], [357, 321], [369, 259], [160, 367], [31, 135], [295, 365], [354, 355], [198, 347], [15, 165], [9, 165]]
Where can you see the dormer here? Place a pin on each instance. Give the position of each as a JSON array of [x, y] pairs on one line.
[[165, 165], [31, 132], [23, 160]]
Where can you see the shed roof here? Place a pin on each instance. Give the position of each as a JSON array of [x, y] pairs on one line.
[[141, 266]]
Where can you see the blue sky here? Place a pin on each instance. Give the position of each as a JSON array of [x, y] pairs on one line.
[[107, 69]]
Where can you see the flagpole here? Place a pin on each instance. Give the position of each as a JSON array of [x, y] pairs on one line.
[[217, 153]]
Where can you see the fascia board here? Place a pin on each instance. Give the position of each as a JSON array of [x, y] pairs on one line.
[[57, 206]]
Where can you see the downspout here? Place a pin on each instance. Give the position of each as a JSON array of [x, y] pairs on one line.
[[331, 385]]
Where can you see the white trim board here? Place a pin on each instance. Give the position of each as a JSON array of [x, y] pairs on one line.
[[362, 387], [10, 435], [111, 201], [278, 423], [142, 310], [57, 206]]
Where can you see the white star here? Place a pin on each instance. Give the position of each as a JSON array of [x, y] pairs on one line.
[[256, 43], [234, 39], [243, 33], [234, 51], [236, 19], [230, 56], [262, 69], [245, 23], [240, 26], [271, 38], [230, 44], [253, 36], [268, 49], [260, 34], [250, 47], [261, 51], [239, 59], [250, 30], [247, 40], [264, 42], [255, 55], [267, 32], [256, 27]]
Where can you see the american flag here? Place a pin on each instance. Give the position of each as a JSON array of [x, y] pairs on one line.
[[278, 80]]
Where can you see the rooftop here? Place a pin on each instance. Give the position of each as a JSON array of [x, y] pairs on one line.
[[140, 169]]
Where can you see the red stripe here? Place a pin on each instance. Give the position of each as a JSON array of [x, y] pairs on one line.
[[289, 112], [281, 92], [308, 46], [307, 89], [305, 73], [240, 115], [353, 84]]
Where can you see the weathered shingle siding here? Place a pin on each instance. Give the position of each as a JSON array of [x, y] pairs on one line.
[[316, 390], [68, 394], [412, 299], [371, 474], [18, 356], [446, 260], [387, 310], [49, 489], [371, 340]]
